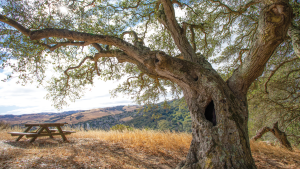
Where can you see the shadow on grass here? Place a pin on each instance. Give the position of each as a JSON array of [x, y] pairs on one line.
[[39, 143], [121, 157], [82, 153]]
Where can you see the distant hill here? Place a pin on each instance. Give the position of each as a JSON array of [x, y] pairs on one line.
[[71, 117], [172, 115]]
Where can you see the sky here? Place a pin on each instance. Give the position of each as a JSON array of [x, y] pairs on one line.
[[16, 99]]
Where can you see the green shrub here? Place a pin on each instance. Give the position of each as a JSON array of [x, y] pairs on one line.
[[121, 127]]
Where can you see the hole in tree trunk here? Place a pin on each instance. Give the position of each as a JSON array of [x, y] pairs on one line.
[[210, 114], [196, 78], [156, 60]]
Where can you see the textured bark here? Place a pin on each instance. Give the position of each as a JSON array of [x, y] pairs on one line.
[[294, 33], [281, 136]]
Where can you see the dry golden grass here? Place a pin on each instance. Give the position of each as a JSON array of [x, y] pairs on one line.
[[112, 149], [268, 156], [149, 140]]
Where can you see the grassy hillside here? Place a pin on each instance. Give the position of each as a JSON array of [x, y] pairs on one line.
[[37, 117], [172, 115], [70, 117], [137, 149]]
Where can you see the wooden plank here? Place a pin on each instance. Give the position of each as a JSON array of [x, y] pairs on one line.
[[21, 133], [44, 135], [69, 131], [49, 132], [45, 124], [53, 130], [28, 128], [38, 133], [61, 132]]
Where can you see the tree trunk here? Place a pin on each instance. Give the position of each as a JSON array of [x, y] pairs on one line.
[[281, 136], [219, 128]]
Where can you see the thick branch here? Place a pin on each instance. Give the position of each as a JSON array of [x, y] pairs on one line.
[[281, 136], [272, 29], [79, 36], [260, 133], [167, 17]]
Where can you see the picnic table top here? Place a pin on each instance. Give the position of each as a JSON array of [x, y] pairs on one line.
[[45, 124]]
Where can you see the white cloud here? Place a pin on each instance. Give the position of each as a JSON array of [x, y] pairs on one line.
[[29, 99]]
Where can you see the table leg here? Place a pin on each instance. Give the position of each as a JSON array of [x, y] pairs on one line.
[[38, 132], [28, 128], [48, 131], [61, 133]]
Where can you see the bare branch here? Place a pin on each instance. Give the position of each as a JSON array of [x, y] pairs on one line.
[[79, 65], [15, 24], [238, 12], [98, 47], [281, 136], [167, 17], [260, 133], [274, 71], [192, 27], [60, 44], [177, 2]]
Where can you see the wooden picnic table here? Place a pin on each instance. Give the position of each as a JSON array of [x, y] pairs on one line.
[[42, 131]]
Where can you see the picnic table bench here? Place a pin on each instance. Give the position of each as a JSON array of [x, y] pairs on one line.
[[42, 131]]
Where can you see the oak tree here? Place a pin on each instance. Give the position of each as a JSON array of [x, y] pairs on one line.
[[39, 35]]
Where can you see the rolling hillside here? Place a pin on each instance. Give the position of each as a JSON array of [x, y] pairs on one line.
[[71, 117]]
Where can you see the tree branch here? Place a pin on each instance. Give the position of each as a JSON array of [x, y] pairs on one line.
[[167, 18], [272, 29], [260, 133], [60, 44], [79, 65], [192, 27], [98, 47], [274, 71], [79, 36], [240, 11], [281, 136], [15, 24]]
